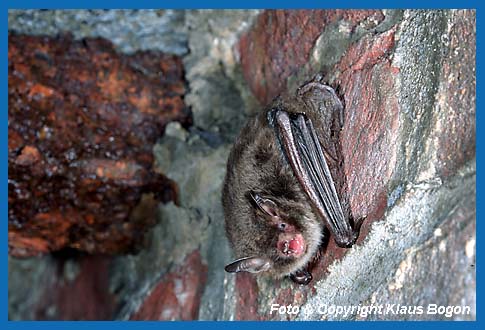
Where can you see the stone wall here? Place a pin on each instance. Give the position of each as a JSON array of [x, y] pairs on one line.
[[408, 82]]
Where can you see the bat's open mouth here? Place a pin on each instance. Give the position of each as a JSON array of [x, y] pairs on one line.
[[294, 246]]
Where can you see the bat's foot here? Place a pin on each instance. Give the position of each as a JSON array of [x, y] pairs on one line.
[[316, 82], [349, 241], [302, 277], [356, 227], [322, 98]]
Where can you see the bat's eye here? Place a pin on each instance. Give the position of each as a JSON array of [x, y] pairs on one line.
[[282, 226]]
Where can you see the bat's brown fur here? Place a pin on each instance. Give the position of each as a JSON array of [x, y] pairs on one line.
[[256, 163]]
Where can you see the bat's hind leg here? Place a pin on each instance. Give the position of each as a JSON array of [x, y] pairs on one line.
[[302, 277], [322, 98]]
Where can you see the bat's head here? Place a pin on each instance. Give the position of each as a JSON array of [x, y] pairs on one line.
[[282, 238], [269, 222]]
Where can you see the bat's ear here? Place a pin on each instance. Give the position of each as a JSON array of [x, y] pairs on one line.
[[264, 204], [249, 264]]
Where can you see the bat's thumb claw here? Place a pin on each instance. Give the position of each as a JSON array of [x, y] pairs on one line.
[[357, 225], [318, 77]]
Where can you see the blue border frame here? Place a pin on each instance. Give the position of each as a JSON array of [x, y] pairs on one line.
[[239, 4], [479, 139], [5, 5], [4, 163]]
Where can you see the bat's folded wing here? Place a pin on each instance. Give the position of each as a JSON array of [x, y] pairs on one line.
[[300, 144]]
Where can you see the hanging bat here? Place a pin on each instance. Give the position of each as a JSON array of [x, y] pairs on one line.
[[284, 185]]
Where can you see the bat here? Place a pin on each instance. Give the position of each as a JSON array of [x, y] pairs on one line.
[[285, 188]]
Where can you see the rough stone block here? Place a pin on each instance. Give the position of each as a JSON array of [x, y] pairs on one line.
[[82, 123]]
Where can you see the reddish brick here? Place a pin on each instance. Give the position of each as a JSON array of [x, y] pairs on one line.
[[369, 135], [86, 297], [280, 42], [457, 96], [246, 297], [363, 75], [177, 295]]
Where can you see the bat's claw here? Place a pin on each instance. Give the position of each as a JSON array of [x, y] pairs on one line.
[[318, 77], [349, 241], [302, 277], [356, 227]]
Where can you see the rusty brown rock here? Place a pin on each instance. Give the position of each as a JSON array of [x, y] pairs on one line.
[[177, 295], [82, 123]]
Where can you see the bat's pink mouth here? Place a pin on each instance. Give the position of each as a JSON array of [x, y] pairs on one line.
[[294, 246]]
